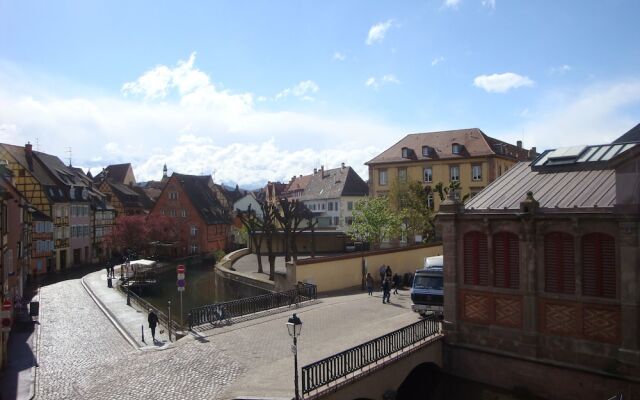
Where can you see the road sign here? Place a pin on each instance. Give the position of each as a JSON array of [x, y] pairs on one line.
[[181, 269], [180, 276], [181, 283], [7, 305], [180, 288]]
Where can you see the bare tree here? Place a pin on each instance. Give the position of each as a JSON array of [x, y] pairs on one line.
[[253, 224]]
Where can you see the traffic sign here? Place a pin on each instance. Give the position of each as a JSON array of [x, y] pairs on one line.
[[7, 305], [181, 269], [180, 289], [180, 276]]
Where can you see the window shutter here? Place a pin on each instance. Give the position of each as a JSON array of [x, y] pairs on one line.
[[599, 265], [476, 264], [559, 263], [506, 260]]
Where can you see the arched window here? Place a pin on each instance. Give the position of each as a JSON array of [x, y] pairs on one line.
[[506, 260], [559, 263], [599, 265], [476, 264]]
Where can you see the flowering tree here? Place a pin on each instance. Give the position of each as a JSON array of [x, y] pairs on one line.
[[129, 232]]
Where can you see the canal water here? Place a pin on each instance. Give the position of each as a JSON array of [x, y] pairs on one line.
[[200, 290]]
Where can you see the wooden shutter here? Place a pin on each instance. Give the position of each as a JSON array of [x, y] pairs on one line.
[[599, 265], [476, 261], [559, 263], [506, 260]]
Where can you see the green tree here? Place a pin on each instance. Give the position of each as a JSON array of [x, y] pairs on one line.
[[374, 220], [414, 210]]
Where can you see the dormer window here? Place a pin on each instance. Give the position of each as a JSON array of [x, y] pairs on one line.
[[456, 148], [426, 151], [405, 152]]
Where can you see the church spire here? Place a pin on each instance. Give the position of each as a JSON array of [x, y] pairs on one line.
[[164, 171]]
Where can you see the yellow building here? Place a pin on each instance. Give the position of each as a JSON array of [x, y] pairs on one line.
[[467, 156]]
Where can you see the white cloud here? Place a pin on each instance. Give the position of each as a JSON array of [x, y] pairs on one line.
[[302, 90], [248, 146], [489, 4], [339, 56], [371, 82], [501, 83], [560, 69], [390, 78], [437, 61], [451, 3], [597, 114], [376, 83], [378, 32]]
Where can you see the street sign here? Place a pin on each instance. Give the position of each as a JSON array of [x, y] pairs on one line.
[[180, 276], [181, 269], [180, 288], [181, 283], [7, 305]]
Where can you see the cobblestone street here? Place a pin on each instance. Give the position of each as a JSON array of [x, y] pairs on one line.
[[83, 356]]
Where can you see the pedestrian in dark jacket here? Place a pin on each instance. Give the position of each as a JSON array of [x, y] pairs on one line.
[[383, 269], [396, 283], [369, 283], [386, 290], [153, 322], [388, 273]]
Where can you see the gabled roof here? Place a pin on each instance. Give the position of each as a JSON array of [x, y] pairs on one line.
[[633, 135], [334, 183], [33, 166], [475, 144], [202, 198], [116, 173]]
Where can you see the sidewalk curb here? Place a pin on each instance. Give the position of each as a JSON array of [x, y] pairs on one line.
[[125, 334]]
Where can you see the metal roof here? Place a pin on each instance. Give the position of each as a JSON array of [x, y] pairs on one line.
[[582, 189], [579, 156]]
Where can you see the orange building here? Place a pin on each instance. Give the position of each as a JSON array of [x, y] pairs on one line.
[[202, 221]]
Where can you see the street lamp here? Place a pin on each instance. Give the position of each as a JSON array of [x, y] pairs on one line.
[[294, 326]]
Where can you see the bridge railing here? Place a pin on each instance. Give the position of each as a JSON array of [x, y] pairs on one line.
[[163, 319], [330, 369], [236, 308]]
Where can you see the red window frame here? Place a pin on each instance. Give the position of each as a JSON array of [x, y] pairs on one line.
[[599, 277], [559, 263], [506, 260], [475, 259]]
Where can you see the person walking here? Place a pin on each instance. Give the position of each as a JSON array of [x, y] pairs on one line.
[[386, 290], [108, 272], [383, 269], [388, 273], [369, 283], [153, 322], [396, 283]]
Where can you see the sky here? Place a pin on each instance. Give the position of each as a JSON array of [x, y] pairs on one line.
[[257, 91]]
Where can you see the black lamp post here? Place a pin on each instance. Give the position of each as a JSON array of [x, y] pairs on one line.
[[294, 326]]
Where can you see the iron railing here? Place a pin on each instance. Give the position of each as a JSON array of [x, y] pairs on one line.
[[330, 369], [236, 308], [163, 319]]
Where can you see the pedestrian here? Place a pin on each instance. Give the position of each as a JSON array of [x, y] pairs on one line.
[[396, 283], [387, 272], [369, 283], [113, 271], [386, 290], [153, 321], [108, 272], [383, 269]]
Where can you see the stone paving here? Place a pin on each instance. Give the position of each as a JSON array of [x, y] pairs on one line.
[[83, 356]]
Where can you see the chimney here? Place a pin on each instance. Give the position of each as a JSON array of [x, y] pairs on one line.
[[519, 143], [322, 171], [532, 153], [315, 171], [28, 152], [342, 165]]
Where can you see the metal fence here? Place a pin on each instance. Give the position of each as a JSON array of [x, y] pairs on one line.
[[145, 305], [236, 308], [337, 366]]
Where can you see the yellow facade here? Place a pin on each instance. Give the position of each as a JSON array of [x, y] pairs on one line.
[[441, 172]]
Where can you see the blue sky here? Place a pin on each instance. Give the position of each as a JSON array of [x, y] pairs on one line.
[[257, 91]]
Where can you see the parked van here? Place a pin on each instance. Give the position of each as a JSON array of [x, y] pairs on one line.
[[427, 292]]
